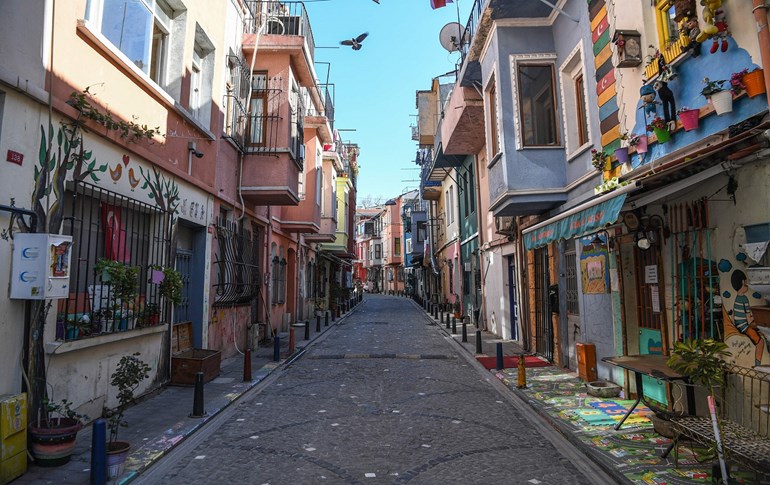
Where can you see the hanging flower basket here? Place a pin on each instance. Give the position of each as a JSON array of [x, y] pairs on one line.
[[755, 83], [689, 119], [157, 276], [622, 155], [662, 134], [722, 102]]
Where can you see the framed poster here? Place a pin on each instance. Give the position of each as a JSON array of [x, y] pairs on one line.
[[593, 269]]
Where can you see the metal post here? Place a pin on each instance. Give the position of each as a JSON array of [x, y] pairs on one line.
[[326, 319], [334, 315], [99, 452], [318, 323], [454, 326], [465, 332], [500, 363], [198, 410], [291, 339], [277, 348], [478, 342], [454, 322], [247, 365], [307, 330]]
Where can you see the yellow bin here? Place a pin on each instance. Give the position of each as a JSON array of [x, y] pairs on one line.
[[13, 437]]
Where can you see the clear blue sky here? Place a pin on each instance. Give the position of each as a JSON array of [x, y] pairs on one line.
[[375, 86]]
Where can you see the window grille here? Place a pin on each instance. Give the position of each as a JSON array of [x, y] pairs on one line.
[[104, 224], [571, 279], [237, 264]]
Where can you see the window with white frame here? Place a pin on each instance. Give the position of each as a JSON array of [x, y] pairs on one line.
[[201, 77], [301, 185], [494, 133], [139, 29], [377, 251], [533, 85], [573, 94]]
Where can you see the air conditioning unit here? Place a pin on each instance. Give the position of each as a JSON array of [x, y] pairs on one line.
[[505, 225]]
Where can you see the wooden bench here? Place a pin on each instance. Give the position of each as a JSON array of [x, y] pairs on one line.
[[744, 411]]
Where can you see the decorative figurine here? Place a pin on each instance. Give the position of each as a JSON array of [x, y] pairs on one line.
[[669, 104]]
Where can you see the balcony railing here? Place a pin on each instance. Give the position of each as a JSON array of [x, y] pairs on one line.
[[470, 28], [280, 18], [326, 93], [235, 99]]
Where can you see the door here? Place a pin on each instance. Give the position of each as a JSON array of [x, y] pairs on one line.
[[543, 325], [573, 305], [184, 265], [649, 308], [512, 304]]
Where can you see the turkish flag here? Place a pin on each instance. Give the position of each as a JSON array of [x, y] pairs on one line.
[[115, 247], [434, 4]]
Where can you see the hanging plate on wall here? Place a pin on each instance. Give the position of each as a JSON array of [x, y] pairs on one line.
[[631, 220]]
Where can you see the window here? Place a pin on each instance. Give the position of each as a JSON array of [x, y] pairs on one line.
[[237, 262], [421, 231], [537, 107], [257, 110], [573, 94], [494, 135], [451, 207], [397, 246], [580, 112], [296, 123], [377, 251], [471, 191], [139, 29], [301, 185], [196, 80], [670, 42], [451, 277]]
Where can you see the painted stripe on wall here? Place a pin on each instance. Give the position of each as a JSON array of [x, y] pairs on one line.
[[596, 8], [611, 135], [605, 75], [603, 40], [605, 82], [603, 56], [608, 108], [607, 95], [609, 122], [596, 25], [605, 68]]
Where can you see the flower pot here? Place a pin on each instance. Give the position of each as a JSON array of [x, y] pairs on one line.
[[722, 102], [662, 134], [117, 453], [607, 164], [622, 155], [157, 276], [755, 83], [641, 146], [53, 441], [72, 333], [689, 119]]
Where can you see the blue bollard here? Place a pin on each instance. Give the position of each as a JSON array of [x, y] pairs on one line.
[[99, 453], [277, 348], [500, 364]]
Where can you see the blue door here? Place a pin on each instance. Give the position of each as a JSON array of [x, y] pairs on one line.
[[512, 305]]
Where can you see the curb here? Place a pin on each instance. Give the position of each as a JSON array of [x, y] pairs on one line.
[[262, 373]]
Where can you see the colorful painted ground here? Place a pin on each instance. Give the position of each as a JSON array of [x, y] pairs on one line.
[[634, 450]]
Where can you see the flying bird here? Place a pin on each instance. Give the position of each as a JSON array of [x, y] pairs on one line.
[[377, 2], [355, 42]]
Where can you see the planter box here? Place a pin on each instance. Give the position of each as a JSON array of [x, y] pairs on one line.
[[186, 361]]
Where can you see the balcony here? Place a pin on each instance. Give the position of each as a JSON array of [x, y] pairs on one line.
[[462, 129], [284, 27], [319, 114]]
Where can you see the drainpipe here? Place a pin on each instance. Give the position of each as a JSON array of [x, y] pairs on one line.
[[763, 35]]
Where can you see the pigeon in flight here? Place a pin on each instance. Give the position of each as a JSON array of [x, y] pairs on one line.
[[377, 2], [355, 42]]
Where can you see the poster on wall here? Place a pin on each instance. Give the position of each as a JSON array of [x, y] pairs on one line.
[[593, 267]]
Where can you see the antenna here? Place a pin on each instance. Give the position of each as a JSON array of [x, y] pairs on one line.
[[449, 37]]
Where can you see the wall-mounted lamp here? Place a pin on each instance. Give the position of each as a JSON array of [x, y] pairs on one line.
[[647, 235]]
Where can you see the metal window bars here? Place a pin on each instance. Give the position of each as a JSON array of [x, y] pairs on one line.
[[105, 224], [236, 263]]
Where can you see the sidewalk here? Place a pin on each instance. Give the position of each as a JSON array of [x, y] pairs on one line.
[[160, 421], [631, 454]]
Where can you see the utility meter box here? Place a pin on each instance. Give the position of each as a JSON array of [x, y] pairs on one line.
[[41, 266]]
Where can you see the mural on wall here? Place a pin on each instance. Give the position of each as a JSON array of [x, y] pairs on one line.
[[746, 340], [593, 266]]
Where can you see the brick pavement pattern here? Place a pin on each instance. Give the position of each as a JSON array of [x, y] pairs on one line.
[[384, 398]]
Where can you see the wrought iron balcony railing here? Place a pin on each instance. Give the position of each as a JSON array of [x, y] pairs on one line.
[[280, 18]]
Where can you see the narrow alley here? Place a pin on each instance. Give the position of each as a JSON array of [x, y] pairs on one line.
[[383, 397]]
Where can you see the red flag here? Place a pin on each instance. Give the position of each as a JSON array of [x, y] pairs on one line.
[[115, 247], [434, 4]]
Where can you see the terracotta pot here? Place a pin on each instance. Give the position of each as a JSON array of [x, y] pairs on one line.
[[755, 83], [689, 119], [53, 441]]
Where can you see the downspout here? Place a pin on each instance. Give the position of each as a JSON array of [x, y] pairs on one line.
[[763, 35]]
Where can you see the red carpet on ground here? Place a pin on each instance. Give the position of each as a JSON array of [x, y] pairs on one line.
[[512, 361]]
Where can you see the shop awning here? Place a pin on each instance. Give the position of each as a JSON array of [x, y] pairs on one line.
[[585, 218]]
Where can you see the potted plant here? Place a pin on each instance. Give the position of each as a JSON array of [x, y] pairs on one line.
[[52, 438], [600, 160], [622, 153], [639, 142], [659, 126], [751, 81], [720, 97], [149, 316], [689, 117], [171, 286], [130, 372], [124, 286], [703, 361]]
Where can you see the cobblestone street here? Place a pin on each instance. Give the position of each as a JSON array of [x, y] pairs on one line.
[[382, 398]]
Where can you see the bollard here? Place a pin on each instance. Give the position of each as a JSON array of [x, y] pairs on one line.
[[291, 339], [479, 350], [447, 321], [198, 411], [339, 310], [454, 326], [307, 330], [522, 372], [326, 319], [500, 363], [334, 315], [99, 452], [247, 365], [276, 348], [318, 323], [465, 332], [454, 322]]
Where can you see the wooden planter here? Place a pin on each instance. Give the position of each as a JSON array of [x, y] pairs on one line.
[[186, 361]]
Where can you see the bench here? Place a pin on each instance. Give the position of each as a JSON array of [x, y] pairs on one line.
[[744, 410]]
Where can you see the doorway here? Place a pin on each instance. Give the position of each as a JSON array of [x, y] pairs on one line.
[[543, 325], [512, 303]]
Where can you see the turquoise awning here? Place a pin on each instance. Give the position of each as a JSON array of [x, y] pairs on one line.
[[581, 222]]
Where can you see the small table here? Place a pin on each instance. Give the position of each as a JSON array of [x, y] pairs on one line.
[[653, 366]]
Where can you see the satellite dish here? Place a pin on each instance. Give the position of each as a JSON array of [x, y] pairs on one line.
[[449, 37]]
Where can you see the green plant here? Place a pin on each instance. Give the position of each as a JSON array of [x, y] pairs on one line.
[[56, 411], [712, 87], [633, 139], [123, 278], [658, 123], [130, 372], [171, 286], [598, 159]]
